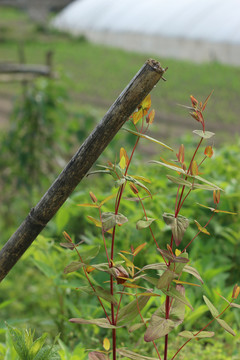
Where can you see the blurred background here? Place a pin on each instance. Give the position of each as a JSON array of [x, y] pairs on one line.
[[62, 65]]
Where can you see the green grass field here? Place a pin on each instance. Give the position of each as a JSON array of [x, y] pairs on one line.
[[98, 74]]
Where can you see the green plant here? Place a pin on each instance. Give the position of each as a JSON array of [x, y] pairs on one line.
[[128, 277], [27, 348]]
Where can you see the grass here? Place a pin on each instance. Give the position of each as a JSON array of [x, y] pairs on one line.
[[97, 74]]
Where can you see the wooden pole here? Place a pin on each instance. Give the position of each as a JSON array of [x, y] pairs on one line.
[[79, 165]]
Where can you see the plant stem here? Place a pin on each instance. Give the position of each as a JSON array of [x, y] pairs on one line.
[[195, 335]]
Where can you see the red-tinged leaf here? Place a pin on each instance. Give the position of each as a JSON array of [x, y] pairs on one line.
[[130, 311], [206, 101], [201, 228], [90, 269], [180, 154], [143, 224], [97, 355], [139, 248], [225, 326], [216, 196], [150, 117], [201, 335], [193, 101], [103, 323], [208, 151], [123, 158], [194, 168], [137, 115], [236, 291], [197, 116], [93, 197], [67, 237], [132, 355], [133, 188], [74, 266], [106, 344], [211, 307]]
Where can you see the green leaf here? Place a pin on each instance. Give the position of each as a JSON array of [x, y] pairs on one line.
[[73, 266], [172, 292], [159, 326], [179, 170], [157, 266], [100, 292], [18, 340], [191, 270], [204, 134], [201, 335], [89, 254], [148, 138], [175, 259], [211, 307], [178, 265], [204, 187], [110, 219], [134, 356], [138, 183], [179, 181], [103, 323], [97, 355], [135, 327], [226, 327], [143, 224], [178, 225], [165, 279], [130, 311]]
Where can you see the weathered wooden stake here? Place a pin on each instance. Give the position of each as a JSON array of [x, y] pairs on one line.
[[79, 165]]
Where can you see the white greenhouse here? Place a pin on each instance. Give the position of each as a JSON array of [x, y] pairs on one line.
[[203, 30]]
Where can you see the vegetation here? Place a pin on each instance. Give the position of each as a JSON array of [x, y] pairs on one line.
[[37, 294]]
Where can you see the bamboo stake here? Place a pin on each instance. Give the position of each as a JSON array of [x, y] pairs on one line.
[[138, 88]]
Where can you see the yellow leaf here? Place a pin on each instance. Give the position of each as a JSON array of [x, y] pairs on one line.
[[123, 158], [88, 205], [141, 178], [146, 104], [225, 212], [106, 344], [177, 252], [200, 228], [139, 248], [107, 199], [194, 168], [185, 282], [128, 262], [133, 286], [137, 115]]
